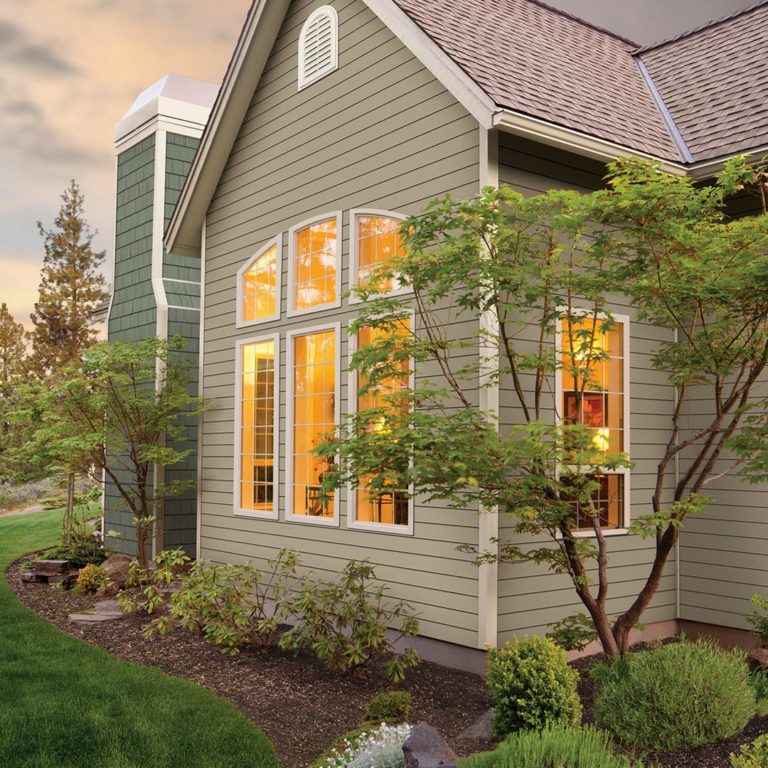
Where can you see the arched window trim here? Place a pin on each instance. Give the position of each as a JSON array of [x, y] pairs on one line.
[[324, 11], [241, 322], [354, 247]]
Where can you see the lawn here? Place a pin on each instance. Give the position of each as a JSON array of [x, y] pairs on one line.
[[66, 704]]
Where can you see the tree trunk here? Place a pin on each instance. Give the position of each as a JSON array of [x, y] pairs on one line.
[[69, 514]]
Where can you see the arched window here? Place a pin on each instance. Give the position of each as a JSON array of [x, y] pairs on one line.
[[258, 286], [376, 242], [318, 46]]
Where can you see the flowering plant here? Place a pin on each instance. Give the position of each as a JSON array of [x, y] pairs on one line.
[[381, 747]]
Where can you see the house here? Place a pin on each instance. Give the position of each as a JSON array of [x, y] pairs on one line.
[[334, 121]]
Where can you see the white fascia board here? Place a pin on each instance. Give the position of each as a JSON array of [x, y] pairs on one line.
[[707, 168], [456, 81], [253, 48], [575, 141], [159, 123]]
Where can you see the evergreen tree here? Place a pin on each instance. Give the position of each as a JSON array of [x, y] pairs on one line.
[[12, 350], [70, 289]]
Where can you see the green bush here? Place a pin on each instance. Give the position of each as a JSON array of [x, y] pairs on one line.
[[146, 592], [91, 579], [757, 618], [344, 623], [680, 695], [754, 755], [553, 747], [758, 682], [533, 686], [232, 605], [388, 706]]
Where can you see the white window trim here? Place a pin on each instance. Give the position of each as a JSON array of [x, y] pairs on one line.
[[323, 10], [354, 232], [290, 336], [292, 311], [241, 322], [238, 421], [625, 471], [352, 521]]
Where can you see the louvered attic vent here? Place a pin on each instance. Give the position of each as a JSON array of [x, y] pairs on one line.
[[318, 46]]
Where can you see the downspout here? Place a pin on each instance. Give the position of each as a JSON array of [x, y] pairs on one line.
[[200, 392], [677, 543]]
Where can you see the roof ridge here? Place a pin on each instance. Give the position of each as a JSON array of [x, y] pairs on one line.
[[586, 23], [700, 28]]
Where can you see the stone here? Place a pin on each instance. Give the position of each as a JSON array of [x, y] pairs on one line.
[[759, 657], [116, 567], [104, 610], [426, 748], [50, 567], [110, 590], [482, 728]]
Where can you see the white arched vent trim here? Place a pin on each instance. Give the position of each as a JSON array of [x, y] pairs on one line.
[[318, 46]]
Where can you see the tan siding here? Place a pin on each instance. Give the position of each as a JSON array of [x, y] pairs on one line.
[[380, 132], [531, 599]]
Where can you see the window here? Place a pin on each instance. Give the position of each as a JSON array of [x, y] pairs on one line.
[[314, 267], [258, 286], [318, 46], [313, 416], [592, 391], [375, 241], [392, 510], [256, 433]]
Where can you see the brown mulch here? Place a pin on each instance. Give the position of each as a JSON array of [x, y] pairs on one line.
[[300, 705], [303, 707]]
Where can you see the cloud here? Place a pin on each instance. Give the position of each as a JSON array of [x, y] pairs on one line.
[[21, 51]]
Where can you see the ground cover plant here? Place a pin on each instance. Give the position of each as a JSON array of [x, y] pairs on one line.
[[553, 747], [753, 755], [676, 696], [532, 686], [375, 747], [389, 706], [124, 714]]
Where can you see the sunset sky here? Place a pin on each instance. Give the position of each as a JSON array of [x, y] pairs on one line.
[[69, 69]]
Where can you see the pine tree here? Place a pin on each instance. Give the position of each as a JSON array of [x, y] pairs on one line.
[[70, 289], [12, 350]]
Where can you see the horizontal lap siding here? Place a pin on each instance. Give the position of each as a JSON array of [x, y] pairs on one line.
[[379, 132], [531, 598]]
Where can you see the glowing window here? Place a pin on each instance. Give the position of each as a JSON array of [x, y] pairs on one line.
[[391, 507], [314, 400], [378, 242], [594, 395], [257, 431], [258, 286], [315, 268], [318, 46]]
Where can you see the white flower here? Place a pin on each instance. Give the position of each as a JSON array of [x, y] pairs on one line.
[[381, 748]]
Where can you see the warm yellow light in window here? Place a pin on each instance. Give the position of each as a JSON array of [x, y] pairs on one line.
[[315, 264], [260, 287], [379, 243]]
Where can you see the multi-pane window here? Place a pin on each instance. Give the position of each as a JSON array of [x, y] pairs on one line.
[[258, 478], [391, 507], [315, 266], [378, 243], [314, 401], [259, 286], [594, 395]]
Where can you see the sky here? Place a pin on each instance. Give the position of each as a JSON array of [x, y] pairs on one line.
[[69, 70]]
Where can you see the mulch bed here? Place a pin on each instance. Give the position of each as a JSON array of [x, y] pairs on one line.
[[303, 707], [299, 704]]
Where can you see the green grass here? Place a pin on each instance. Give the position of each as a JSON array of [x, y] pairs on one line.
[[66, 704]]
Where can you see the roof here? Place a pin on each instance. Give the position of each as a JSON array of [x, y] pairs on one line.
[[533, 59], [714, 82]]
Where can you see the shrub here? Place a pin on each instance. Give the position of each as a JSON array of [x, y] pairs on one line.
[[146, 590], [230, 604], [91, 578], [677, 696], [344, 623], [757, 618], [533, 686], [758, 682], [553, 747], [388, 706], [380, 747], [754, 755]]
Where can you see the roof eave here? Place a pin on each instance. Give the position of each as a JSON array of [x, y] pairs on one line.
[[575, 141]]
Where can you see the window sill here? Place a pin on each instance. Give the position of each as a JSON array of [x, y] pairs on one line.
[[385, 528], [255, 515], [312, 520]]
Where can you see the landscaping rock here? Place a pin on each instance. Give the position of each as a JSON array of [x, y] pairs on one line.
[[104, 610], [482, 728], [759, 657], [426, 748], [50, 567], [116, 567]]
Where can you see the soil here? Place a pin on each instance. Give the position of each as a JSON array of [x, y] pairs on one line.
[[303, 707], [300, 705]]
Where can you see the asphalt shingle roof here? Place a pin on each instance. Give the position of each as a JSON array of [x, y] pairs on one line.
[[714, 82], [545, 63]]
